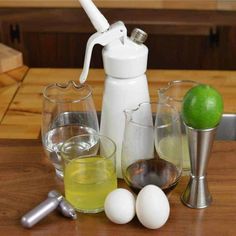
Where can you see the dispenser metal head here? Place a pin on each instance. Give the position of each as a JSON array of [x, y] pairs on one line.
[[138, 36]]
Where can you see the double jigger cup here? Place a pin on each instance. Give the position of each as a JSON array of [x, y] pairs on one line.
[[200, 141]]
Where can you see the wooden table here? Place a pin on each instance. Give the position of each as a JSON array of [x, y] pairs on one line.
[[26, 176], [22, 118], [9, 83]]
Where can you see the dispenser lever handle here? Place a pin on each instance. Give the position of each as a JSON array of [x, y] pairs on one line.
[[116, 31]]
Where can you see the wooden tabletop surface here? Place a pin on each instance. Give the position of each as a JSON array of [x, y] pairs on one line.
[[138, 4], [21, 93], [9, 83], [26, 177]]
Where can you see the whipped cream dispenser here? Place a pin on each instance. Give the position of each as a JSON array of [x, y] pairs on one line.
[[125, 64]]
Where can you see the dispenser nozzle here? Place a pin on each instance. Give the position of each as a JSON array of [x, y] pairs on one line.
[[99, 22]]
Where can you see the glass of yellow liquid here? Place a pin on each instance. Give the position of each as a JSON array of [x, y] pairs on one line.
[[173, 94], [89, 171]]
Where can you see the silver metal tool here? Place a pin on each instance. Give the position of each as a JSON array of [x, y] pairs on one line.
[[55, 200], [197, 195], [39, 212], [64, 206]]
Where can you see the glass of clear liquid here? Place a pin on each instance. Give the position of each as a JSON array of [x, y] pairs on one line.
[[68, 110], [173, 94]]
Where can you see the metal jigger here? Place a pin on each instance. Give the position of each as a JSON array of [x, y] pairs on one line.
[[200, 141]]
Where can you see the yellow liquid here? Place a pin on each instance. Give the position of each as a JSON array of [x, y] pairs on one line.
[[168, 149], [87, 182]]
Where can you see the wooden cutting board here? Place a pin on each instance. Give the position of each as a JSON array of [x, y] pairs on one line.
[[9, 58]]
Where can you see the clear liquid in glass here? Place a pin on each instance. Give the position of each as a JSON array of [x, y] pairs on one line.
[[55, 138]]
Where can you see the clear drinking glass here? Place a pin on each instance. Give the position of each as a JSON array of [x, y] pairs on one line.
[[89, 171], [151, 149], [68, 110], [173, 94]]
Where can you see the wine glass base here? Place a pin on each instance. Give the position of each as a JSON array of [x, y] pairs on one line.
[[90, 211], [186, 172], [59, 174]]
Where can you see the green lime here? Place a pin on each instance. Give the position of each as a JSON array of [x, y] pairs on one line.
[[202, 107]]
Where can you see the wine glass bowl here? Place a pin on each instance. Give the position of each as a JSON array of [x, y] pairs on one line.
[[168, 144], [173, 94], [150, 130], [68, 110]]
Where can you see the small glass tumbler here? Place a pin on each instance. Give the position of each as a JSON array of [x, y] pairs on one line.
[[89, 171], [68, 110], [173, 94]]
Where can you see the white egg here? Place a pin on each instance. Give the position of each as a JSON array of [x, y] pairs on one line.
[[119, 206], [152, 207]]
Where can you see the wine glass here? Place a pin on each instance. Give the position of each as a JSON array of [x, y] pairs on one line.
[[68, 110], [173, 94], [151, 149], [168, 144]]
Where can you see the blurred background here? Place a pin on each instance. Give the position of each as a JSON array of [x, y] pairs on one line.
[[186, 34]]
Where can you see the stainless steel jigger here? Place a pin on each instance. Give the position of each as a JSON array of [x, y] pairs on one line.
[[200, 142]]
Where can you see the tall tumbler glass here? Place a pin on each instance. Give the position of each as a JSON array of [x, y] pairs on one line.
[[173, 94], [68, 110]]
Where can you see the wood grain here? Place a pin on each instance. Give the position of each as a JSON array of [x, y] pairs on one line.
[[23, 118], [26, 177], [140, 4], [182, 39], [9, 83], [10, 58]]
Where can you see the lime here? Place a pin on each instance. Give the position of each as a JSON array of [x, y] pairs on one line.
[[202, 107]]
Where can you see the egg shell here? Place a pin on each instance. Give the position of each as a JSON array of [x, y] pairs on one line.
[[119, 206], [152, 207]]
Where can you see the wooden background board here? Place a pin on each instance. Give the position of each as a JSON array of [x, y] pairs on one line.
[[23, 117], [26, 177], [177, 39], [153, 4], [10, 58]]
